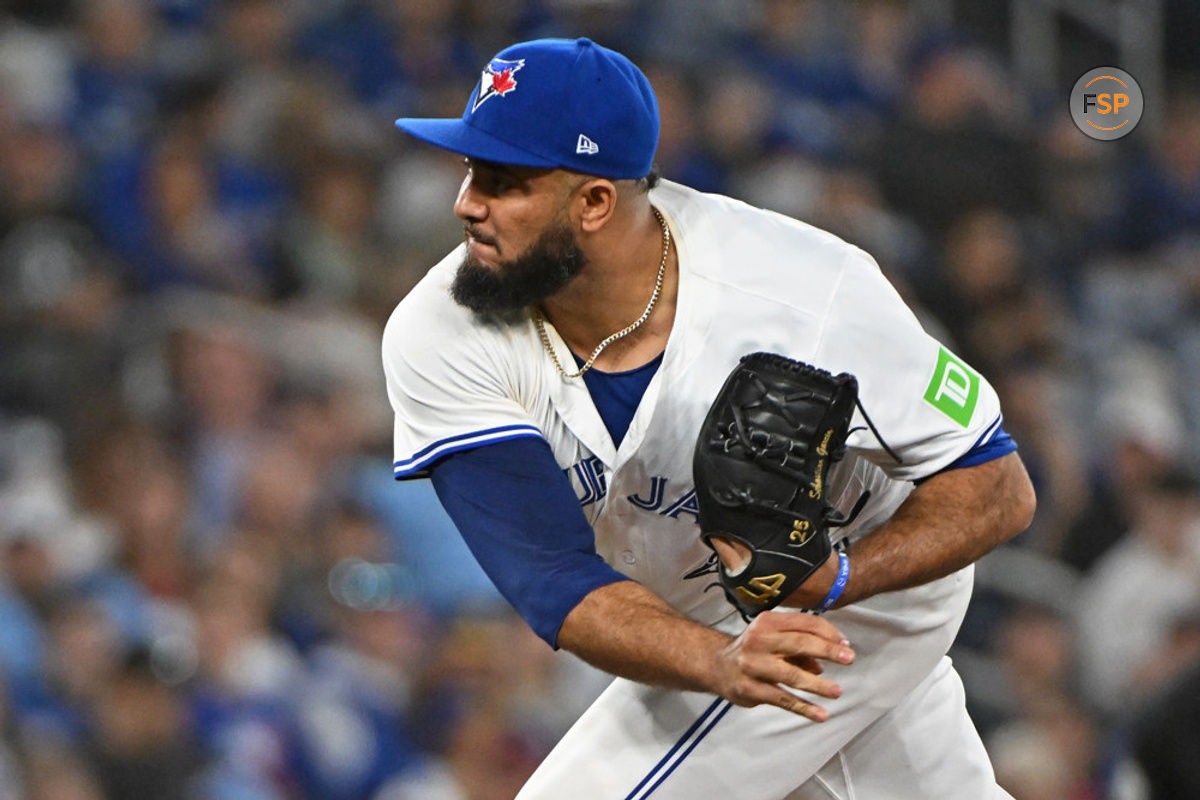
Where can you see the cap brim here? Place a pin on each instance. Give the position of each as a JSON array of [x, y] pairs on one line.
[[457, 136]]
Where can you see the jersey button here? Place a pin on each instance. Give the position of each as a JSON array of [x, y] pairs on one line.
[[627, 557]]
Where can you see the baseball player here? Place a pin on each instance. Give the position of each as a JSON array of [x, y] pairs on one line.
[[551, 374]]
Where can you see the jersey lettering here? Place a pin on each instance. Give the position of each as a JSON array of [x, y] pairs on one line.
[[655, 498], [588, 481], [657, 486], [684, 505]]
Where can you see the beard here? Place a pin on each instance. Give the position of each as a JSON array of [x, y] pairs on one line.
[[547, 266]]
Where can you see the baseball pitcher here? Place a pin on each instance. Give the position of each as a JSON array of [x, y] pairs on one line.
[[703, 446]]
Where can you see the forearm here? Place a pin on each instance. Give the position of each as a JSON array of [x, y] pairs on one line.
[[627, 630], [948, 522]]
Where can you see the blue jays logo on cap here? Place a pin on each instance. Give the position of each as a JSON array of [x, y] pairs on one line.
[[580, 107], [497, 79]]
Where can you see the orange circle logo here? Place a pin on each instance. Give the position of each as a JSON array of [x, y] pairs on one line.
[[1106, 103]]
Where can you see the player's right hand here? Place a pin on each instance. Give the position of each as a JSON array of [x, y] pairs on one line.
[[777, 650]]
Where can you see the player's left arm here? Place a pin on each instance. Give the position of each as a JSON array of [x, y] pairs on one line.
[[948, 522], [942, 421]]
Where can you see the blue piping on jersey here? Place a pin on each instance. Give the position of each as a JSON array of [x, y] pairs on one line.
[[463, 441], [687, 737], [989, 432], [993, 443]]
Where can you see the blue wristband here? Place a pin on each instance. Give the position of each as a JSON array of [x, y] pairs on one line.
[[839, 583]]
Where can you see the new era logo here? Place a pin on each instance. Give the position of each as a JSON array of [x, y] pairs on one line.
[[586, 146]]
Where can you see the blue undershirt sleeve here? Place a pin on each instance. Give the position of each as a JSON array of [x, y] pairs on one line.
[[520, 518], [994, 443]]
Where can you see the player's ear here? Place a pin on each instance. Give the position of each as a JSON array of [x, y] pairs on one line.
[[594, 201]]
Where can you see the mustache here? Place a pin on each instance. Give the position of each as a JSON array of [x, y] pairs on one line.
[[477, 236]]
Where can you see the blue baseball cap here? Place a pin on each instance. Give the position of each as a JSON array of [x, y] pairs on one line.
[[557, 103]]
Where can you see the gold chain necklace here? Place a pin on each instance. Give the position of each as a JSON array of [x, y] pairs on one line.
[[539, 320]]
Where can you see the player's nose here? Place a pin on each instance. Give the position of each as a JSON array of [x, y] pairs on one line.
[[469, 205]]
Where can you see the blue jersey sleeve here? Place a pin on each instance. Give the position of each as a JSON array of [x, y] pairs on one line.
[[993, 443], [521, 519]]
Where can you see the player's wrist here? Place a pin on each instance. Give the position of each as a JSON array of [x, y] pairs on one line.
[[839, 582], [809, 594]]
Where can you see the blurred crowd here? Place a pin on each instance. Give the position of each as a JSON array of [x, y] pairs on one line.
[[210, 586]]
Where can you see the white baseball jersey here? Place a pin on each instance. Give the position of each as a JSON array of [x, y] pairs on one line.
[[749, 280]]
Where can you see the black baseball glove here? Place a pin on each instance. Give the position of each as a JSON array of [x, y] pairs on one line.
[[760, 467]]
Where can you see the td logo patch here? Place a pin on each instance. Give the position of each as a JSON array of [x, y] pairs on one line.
[[954, 388]]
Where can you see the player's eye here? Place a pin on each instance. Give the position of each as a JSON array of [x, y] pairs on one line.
[[491, 179], [493, 183]]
